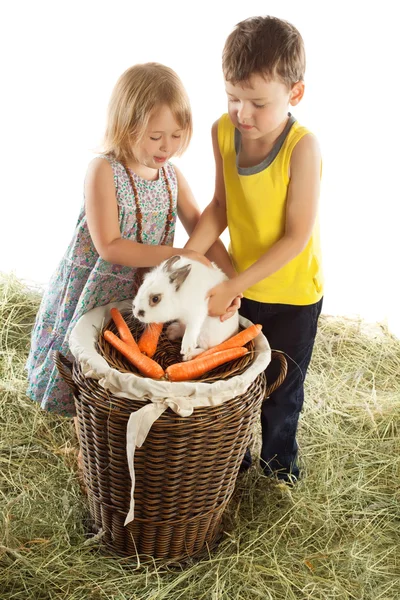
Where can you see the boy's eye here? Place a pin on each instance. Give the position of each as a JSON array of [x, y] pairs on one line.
[[259, 105]]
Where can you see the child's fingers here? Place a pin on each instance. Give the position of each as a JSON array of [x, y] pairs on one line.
[[197, 256], [229, 313], [236, 303]]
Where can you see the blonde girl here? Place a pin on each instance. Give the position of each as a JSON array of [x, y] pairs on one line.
[[133, 195]]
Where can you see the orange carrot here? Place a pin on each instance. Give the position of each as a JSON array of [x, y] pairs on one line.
[[240, 339], [147, 366], [149, 339], [123, 329], [194, 368]]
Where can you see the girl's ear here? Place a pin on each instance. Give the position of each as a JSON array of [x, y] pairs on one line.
[[296, 93]]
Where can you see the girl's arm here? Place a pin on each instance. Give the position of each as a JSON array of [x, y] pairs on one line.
[[189, 215], [301, 211], [103, 223], [213, 221]]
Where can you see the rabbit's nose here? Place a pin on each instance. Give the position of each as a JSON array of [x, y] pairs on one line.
[[141, 313]]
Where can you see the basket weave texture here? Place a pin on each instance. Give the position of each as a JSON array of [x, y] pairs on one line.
[[185, 471]]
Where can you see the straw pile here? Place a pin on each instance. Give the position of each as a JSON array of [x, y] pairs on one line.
[[335, 535]]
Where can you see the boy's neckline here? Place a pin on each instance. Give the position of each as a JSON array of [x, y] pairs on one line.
[[270, 156]]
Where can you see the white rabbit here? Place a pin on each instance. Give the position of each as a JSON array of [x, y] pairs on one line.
[[176, 291]]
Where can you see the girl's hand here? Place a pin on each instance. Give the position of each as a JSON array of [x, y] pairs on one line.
[[222, 299], [196, 256]]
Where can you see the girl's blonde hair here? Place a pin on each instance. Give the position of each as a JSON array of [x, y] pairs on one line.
[[140, 91]]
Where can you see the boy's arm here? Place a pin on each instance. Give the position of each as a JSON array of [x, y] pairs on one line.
[[189, 214], [213, 220], [301, 211]]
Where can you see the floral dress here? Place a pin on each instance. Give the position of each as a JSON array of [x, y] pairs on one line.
[[84, 281]]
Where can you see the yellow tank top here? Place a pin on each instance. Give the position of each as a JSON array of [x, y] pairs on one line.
[[256, 208]]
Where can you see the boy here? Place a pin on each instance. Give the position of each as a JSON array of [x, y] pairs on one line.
[[266, 192]]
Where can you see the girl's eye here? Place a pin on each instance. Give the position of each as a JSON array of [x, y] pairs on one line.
[[155, 139], [176, 137]]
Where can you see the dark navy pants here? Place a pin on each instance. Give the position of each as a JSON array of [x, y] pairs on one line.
[[291, 329]]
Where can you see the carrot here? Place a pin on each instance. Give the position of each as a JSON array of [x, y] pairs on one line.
[[240, 339], [147, 366], [149, 339], [123, 329], [194, 368]]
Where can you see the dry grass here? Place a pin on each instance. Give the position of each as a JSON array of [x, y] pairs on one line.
[[335, 535]]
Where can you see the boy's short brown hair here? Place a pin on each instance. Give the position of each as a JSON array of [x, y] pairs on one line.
[[266, 46]]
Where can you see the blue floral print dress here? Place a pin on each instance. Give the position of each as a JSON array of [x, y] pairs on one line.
[[84, 281]]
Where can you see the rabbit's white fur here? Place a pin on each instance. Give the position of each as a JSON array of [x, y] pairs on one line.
[[176, 291]]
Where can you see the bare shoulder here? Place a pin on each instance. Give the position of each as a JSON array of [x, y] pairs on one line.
[[99, 182], [178, 173], [215, 141], [99, 168], [214, 129], [307, 149]]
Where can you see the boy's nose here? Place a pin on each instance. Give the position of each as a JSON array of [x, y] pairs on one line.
[[244, 115]]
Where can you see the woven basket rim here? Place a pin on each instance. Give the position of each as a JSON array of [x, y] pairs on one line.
[[92, 393], [115, 360]]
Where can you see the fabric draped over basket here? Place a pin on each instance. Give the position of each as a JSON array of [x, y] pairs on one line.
[[157, 396]]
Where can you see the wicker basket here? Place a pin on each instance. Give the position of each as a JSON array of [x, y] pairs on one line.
[[185, 471]]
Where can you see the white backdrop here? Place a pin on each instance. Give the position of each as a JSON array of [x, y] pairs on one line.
[[61, 61]]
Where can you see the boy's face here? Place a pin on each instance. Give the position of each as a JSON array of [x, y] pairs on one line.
[[258, 107]]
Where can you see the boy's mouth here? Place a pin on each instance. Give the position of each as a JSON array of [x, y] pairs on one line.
[[246, 127]]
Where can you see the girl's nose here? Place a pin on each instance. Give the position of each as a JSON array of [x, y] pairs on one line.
[[164, 147]]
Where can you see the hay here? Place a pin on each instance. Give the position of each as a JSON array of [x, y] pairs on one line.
[[333, 536]]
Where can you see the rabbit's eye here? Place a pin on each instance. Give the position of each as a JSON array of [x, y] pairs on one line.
[[155, 299]]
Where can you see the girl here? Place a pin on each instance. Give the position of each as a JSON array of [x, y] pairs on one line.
[[132, 196]]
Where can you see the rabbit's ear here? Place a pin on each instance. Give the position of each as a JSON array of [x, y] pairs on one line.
[[179, 275], [170, 263]]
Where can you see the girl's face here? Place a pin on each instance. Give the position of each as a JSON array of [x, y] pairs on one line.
[[162, 139]]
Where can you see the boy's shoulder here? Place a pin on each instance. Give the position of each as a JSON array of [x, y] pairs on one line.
[[223, 121], [300, 137], [223, 130], [298, 140], [305, 151]]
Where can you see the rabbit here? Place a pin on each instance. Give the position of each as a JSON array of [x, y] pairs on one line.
[[176, 291]]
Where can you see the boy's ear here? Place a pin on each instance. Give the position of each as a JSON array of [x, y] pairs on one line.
[[297, 92]]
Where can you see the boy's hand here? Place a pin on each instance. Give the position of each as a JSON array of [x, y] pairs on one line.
[[230, 311], [223, 300]]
